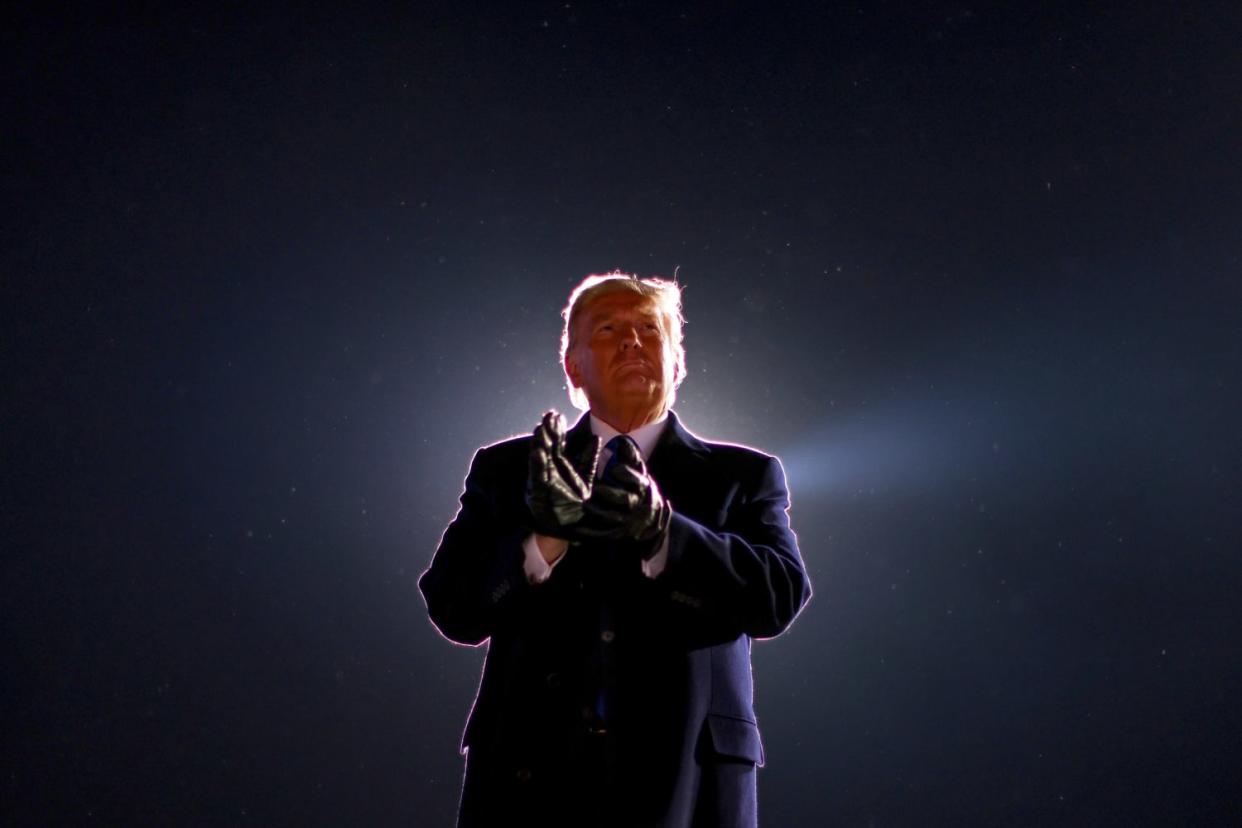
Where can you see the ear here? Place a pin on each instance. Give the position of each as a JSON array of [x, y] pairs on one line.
[[573, 371], [679, 368]]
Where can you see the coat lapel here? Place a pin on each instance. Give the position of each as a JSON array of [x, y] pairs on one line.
[[677, 463]]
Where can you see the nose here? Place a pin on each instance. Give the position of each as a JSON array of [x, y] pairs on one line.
[[630, 338]]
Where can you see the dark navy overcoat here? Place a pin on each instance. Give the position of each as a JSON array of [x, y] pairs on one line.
[[609, 698]]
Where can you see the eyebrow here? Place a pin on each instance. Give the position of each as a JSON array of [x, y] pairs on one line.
[[598, 320], [609, 320]]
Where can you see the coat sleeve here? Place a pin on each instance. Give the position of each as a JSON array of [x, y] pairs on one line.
[[749, 576], [476, 576]]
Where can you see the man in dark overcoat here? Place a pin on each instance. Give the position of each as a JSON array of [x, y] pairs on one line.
[[618, 572]]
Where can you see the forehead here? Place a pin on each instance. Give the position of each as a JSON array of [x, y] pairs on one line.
[[619, 302]]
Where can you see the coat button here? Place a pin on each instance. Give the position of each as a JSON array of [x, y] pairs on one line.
[[607, 636]]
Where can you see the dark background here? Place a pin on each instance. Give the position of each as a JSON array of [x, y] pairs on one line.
[[271, 275]]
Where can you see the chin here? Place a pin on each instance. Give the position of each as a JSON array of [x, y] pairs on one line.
[[637, 387]]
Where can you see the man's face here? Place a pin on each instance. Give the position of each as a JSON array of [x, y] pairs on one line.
[[622, 358]]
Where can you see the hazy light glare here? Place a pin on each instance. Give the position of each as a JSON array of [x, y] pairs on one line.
[[911, 448]]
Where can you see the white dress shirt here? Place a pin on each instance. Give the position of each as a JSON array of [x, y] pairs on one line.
[[537, 569]]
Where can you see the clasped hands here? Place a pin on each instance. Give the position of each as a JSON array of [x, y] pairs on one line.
[[566, 501]]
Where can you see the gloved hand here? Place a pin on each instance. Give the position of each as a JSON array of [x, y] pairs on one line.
[[626, 503], [557, 489]]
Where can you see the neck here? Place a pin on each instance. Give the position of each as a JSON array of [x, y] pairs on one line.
[[627, 421]]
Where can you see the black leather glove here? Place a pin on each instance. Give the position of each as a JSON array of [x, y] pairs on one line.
[[626, 503], [557, 489]]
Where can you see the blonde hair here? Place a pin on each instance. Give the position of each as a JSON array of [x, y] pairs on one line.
[[665, 293]]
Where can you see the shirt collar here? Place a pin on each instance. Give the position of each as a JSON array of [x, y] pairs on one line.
[[645, 436]]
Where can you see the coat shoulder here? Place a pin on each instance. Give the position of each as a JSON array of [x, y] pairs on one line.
[[503, 452], [739, 451], [744, 459]]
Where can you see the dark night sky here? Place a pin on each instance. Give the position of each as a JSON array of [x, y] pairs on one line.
[[270, 277]]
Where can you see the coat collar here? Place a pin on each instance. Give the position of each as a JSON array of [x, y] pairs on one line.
[[676, 438], [676, 453]]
